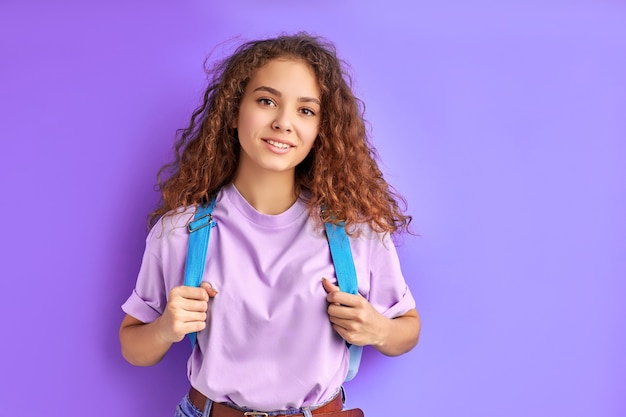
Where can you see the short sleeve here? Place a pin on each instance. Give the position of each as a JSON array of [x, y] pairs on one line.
[[162, 268], [147, 301], [388, 293]]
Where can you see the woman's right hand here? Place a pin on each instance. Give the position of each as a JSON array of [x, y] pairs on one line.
[[145, 344], [186, 312]]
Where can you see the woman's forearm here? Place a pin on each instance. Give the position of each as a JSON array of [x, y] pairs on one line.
[[400, 335], [141, 342]]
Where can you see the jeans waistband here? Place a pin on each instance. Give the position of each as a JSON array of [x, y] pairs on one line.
[[199, 401]]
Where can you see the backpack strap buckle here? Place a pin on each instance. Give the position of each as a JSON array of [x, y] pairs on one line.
[[199, 222]]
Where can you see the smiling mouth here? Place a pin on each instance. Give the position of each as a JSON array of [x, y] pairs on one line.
[[278, 144]]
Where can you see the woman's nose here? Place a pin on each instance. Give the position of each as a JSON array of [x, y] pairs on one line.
[[282, 122]]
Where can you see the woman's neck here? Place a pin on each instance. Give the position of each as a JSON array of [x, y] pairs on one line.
[[269, 193]]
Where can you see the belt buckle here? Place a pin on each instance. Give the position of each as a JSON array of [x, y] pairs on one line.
[[255, 413]]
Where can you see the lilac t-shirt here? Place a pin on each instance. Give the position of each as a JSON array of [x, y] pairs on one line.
[[268, 344]]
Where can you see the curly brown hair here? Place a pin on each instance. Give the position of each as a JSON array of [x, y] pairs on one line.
[[340, 173]]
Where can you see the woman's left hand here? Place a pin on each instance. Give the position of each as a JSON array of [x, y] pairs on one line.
[[353, 317], [359, 323]]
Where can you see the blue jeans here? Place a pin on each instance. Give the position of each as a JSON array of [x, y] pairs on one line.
[[186, 409]]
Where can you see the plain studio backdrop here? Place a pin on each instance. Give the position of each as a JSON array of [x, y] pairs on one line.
[[502, 123]]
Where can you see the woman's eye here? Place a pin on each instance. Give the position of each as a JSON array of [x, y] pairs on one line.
[[265, 102], [308, 112]]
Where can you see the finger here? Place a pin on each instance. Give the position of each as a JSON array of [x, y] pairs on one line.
[[342, 332], [343, 298], [196, 306], [192, 327], [210, 290], [193, 317], [183, 317], [329, 287], [188, 304], [191, 293], [189, 327], [197, 326], [343, 323], [341, 312]]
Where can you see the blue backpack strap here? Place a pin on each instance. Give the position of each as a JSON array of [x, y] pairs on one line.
[[355, 361], [342, 257], [199, 232], [346, 278]]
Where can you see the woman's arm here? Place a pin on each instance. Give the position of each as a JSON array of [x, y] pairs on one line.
[[359, 323], [145, 344]]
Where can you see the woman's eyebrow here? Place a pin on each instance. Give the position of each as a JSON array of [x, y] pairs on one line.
[[279, 94], [268, 89], [310, 100]]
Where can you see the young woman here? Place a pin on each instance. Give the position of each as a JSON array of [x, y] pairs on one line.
[[279, 142]]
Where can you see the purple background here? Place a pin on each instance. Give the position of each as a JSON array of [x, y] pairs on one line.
[[504, 127]]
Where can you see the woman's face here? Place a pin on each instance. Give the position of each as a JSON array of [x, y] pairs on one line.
[[279, 117]]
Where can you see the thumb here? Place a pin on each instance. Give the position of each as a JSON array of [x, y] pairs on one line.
[[329, 286], [212, 292]]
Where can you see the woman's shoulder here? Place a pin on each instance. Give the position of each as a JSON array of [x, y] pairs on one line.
[[364, 231], [365, 239], [173, 222]]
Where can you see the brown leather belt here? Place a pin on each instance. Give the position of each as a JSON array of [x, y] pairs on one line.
[[222, 410]]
